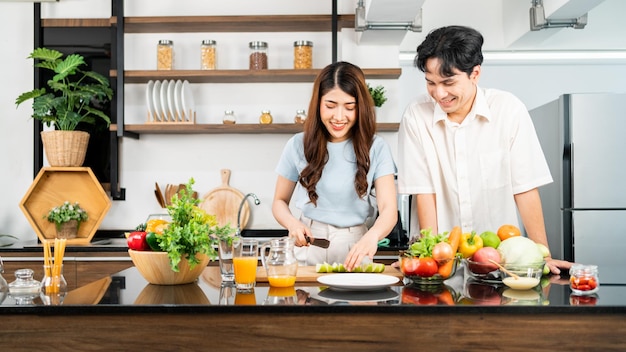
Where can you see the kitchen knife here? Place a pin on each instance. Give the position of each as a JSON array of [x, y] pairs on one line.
[[319, 242]]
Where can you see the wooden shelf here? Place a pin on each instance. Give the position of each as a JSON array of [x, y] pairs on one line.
[[262, 23], [244, 76], [76, 22], [287, 128]]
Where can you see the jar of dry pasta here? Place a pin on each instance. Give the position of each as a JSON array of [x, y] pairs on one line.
[[208, 55], [165, 55], [258, 55], [302, 54]]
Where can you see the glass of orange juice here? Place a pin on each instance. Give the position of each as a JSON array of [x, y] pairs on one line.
[[245, 261]]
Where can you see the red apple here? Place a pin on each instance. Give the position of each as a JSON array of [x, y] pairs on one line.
[[482, 257]]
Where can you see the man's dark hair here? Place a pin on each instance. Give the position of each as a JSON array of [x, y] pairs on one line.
[[456, 46]]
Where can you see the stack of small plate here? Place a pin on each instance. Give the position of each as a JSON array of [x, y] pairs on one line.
[[169, 101]]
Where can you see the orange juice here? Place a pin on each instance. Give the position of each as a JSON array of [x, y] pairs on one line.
[[245, 298], [281, 281], [245, 269]]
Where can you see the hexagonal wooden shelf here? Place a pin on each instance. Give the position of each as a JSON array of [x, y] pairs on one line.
[[55, 185]]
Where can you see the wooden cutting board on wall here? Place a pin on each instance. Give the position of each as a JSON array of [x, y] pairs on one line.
[[224, 201]]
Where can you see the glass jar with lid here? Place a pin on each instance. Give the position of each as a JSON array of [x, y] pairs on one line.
[[302, 54], [266, 117], [165, 55], [208, 55], [583, 279], [258, 55], [300, 116], [24, 289], [229, 117]]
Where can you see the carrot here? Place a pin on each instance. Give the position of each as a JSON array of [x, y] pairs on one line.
[[454, 238]]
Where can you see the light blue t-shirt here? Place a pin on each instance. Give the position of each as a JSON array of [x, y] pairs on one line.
[[337, 204]]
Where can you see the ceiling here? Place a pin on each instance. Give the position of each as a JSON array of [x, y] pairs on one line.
[[505, 24]]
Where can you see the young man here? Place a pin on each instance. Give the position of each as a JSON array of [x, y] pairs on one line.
[[471, 155]]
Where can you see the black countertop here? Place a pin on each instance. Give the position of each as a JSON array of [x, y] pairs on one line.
[[129, 292]]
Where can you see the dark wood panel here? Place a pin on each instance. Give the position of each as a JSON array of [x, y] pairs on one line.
[[260, 23], [244, 76], [334, 331], [181, 128], [76, 22]]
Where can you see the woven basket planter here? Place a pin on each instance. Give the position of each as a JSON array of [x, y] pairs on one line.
[[65, 148]]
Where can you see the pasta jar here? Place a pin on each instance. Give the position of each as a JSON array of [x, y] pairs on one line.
[[165, 55], [583, 279], [208, 55], [229, 117], [258, 55], [266, 117], [300, 116], [302, 54]]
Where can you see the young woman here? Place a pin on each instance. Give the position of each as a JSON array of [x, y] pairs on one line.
[[333, 166]]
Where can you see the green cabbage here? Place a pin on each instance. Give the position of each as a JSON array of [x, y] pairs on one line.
[[520, 250]]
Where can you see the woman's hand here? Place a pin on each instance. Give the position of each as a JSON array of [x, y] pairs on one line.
[[365, 247], [556, 265], [299, 232]]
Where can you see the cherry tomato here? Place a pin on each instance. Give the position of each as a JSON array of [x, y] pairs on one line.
[[427, 267]]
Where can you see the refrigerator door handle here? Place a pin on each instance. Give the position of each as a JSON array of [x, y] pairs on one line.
[[570, 176]]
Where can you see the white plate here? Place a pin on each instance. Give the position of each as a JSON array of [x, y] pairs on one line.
[[359, 296], [178, 98], [170, 101], [149, 99], [357, 281], [156, 100], [187, 100], [164, 108]]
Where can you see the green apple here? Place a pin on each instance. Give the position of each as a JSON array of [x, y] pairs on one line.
[[490, 239]]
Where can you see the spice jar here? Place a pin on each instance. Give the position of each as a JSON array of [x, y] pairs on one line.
[[266, 117], [229, 117], [258, 55], [165, 55], [302, 54], [208, 55], [300, 116], [584, 279]]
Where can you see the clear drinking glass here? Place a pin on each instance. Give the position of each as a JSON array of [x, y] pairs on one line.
[[225, 252], [245, 262]]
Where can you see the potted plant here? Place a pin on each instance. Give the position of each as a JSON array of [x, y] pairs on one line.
[[378, 95], [72, 96], [67, 218], [185, 246]]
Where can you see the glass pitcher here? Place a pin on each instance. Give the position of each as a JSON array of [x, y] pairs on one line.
[[280, 263]]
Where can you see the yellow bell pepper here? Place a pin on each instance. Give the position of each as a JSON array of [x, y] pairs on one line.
[[470, 243]]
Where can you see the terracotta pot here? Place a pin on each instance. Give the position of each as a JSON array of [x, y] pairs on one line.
[[65, 148]]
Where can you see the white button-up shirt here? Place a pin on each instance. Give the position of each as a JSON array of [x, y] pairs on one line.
[[474, 168]]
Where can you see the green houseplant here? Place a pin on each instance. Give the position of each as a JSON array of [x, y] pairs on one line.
[[67, 218], [72, 96], [378, 95]]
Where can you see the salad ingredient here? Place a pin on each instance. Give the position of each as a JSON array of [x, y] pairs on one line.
[[490, 239], [520, 250], [507, 231], [470, 243]]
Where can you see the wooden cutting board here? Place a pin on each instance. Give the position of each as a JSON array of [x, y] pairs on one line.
[[224, 201], [308, 274]]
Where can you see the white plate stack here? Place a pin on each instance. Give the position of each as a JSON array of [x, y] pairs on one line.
[[170, 102]]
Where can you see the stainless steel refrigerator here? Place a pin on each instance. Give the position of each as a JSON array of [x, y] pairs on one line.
[[583, 137]]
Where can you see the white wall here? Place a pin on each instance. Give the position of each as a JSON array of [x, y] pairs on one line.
[[252, 158]]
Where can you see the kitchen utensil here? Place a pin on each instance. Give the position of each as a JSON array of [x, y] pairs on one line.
[[280, 262], [223, 202], [319, 242], [159, 195], [159, 200], [515, 276], [309, 274]]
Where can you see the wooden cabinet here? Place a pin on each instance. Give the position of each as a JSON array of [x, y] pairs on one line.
[[79, 268]]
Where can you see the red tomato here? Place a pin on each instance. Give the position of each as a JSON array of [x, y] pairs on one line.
[[409, 265], [413, 295], [427, 267], [137, 241]]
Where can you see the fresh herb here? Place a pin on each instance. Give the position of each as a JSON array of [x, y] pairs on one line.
[[66, 212], [378, 95], [191, 232]]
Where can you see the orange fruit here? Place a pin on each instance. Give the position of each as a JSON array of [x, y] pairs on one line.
[[508, 231]]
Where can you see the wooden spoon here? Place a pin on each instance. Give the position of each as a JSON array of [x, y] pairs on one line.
[[159, 195], [504, 269]]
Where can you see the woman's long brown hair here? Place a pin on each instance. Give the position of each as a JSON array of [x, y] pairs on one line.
[[351, 80]]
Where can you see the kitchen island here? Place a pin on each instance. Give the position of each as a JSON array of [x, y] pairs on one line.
[[128, 313]]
